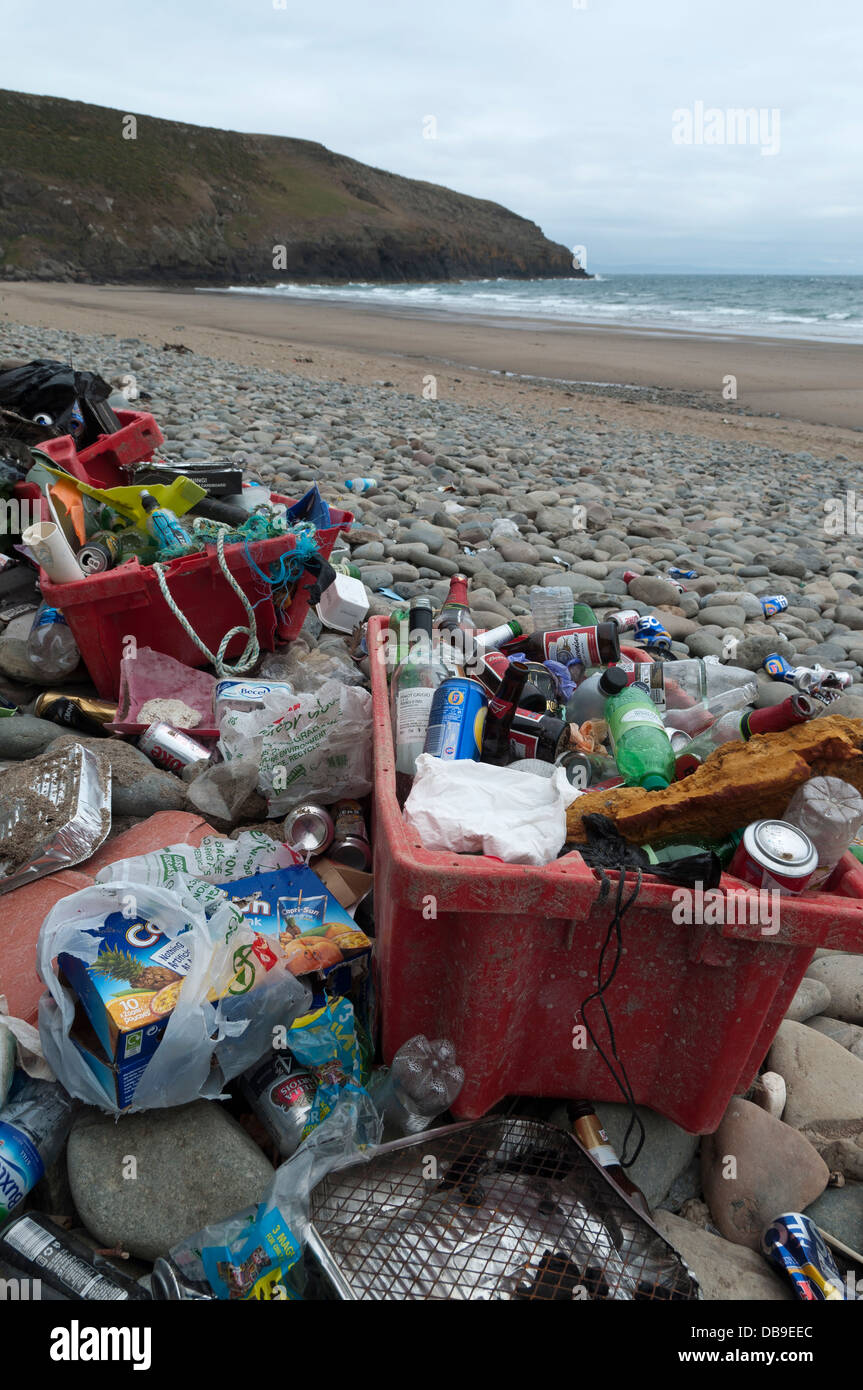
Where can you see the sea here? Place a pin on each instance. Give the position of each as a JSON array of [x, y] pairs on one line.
[[825, 308]]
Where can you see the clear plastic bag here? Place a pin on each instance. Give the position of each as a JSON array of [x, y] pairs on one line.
[[307, 747], [309, 670], [204, 1044]]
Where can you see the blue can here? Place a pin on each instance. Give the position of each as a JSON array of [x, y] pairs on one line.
[[780, 669], [457, 720], [654, 636], [792, 1243], [676, 573], [773, 603]]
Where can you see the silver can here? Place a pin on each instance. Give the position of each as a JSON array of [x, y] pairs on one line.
[[280, 1094], [171, 748], [308, 828], [351, 843], [679, 739]]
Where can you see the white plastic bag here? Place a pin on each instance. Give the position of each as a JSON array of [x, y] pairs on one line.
[[476, 808], [204, 1044], [215, 860], [314, 746]]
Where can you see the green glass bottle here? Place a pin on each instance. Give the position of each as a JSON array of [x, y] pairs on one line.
[[583, 615], [641, 746]]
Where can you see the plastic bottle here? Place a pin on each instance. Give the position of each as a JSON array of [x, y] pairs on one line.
[[421, 1084], [361, 485], [642, 748], [51, 648], [33, 1128], [689, 693], [830, 811], [163, 525], [551, 607], [252, 496]]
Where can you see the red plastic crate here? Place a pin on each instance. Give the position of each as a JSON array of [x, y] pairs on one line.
[[103, 463], [103, 610], [512, 952]]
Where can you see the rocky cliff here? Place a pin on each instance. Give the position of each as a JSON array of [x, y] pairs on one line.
[[88, 193]]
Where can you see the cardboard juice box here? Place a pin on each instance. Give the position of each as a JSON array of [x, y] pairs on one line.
[[293, 907]]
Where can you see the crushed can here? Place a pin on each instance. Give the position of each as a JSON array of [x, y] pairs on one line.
[[793, 1244]]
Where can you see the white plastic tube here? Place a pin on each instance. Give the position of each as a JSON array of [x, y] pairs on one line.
[[53, 552]]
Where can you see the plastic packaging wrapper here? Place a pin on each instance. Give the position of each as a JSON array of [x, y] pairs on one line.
[[19, 1047], [474, 808], [309, 670], [204, 1043], [307, 747], [150, 675], [257, 1252], [215, 860]]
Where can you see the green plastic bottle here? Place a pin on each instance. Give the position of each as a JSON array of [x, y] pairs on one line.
[[641, 747]]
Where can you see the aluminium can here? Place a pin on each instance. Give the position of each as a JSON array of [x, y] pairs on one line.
[[457, 720], [351, 842], [774, 854], [308, 828], [171, 748]]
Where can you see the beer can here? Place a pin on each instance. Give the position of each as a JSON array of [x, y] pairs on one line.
[[351, 843], [76, 711], [308, 828], [773, 603], [589, 769], [774, 854], [793, 1243], [456, 720], [280, 1093], [627, 619], [675, 573], [651, 632], [100, 553], [46, 1253], [171, 748]]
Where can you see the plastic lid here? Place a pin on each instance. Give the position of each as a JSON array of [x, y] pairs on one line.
[[612, 681], [654, 782]]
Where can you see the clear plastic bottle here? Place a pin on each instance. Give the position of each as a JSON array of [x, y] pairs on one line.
[[51, 648], [830, 812], [421, 1084], [34, 1124], [551, 607], [689, 695]]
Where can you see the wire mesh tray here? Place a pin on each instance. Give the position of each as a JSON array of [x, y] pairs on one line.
[[503, 1209]]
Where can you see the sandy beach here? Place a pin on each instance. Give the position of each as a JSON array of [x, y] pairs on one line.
[[815, 388]]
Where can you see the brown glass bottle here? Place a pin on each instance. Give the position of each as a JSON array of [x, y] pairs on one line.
[[592, 646], [539, 697], [540, 735], [499, 716], [587, 1128]]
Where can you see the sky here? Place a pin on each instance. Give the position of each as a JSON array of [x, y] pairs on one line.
[[582, 115]]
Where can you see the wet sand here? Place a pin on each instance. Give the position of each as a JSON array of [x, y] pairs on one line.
[[815, 388]]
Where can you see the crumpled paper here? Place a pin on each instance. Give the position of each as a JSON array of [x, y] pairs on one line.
[[476, 808]]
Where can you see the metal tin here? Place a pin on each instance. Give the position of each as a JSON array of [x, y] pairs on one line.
[[281, 1095], [627, 619], [76, 711], [171, 748], [589, 769], [773, 603], [457, 720], [651, 632], [308, 828], [245, 695], [679, 739], [351, 842], [774, 854], [792, 1242]]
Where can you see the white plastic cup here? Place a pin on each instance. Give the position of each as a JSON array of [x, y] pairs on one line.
[[53, 552]]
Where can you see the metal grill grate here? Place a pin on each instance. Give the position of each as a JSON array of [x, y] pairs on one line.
[[496, 1209]]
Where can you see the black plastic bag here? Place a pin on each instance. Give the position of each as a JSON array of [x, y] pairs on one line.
[[51, 388]]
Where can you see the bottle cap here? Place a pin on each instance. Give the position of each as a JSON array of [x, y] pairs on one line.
[[612, 681], [654, 783], [148, 501]]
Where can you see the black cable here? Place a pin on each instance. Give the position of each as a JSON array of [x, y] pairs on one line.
[[622, 1081]]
